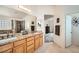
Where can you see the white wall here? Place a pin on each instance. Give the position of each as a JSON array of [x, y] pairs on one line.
[[28, 20], [59, 13], [39, 12]]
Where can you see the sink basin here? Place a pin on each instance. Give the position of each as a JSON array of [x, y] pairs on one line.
[[5, 41]]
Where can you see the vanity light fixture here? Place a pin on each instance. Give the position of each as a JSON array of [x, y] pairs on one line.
[[22, 7]]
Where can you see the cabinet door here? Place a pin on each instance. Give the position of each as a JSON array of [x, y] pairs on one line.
[[20, 49], [37, 43], [41, 41], [30, 48], [6, 48]]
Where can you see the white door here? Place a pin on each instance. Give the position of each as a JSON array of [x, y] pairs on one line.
[[68, 30]]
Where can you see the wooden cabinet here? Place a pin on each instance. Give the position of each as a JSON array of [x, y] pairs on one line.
[[41, 39], [19, 46], [30, 44], [6, 48], [37, 42]]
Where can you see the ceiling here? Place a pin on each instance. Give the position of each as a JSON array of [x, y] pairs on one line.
[[15, 12], [33, 8], [11, 12]]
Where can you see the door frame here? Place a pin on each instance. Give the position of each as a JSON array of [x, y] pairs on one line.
[[65, 31], [50, 27]]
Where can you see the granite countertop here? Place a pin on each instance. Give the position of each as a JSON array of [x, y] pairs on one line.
[[17, 37], [8, 40]]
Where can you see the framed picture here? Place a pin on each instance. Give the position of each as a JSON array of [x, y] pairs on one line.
[[57, 30], [32, 22]]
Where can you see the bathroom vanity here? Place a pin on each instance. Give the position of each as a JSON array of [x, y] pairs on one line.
[[22, 43]]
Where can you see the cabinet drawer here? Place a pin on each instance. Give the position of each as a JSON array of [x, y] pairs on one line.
[[31, 47], [6, 47], [37, 36], [41, 41], [20, 48], [19, 42], [30, 42], [30, 38]]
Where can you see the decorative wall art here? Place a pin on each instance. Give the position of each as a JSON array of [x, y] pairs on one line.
[[58, 20], [39, 24], [75, 21], [57, 30], [32, 22]]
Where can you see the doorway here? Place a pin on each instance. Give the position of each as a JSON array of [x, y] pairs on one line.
[[49, 28], [68, 41]]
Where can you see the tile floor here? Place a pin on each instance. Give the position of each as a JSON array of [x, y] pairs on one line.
[[54, 48]]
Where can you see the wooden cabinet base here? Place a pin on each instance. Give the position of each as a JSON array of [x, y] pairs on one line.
[[29, 45], [36, 43], [8, 51]]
